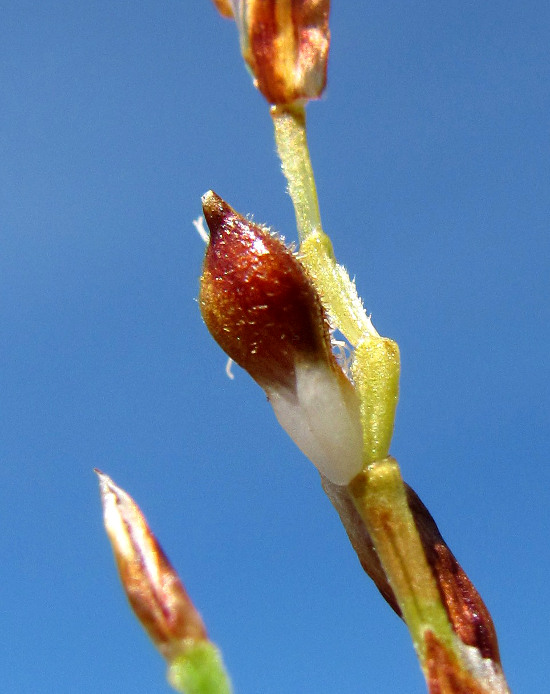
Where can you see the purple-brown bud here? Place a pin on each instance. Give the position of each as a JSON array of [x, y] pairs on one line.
[[285, 44], [263, 310], [257, 300], [153, 588]]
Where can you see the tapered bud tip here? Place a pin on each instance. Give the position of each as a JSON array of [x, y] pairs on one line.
[[215, 211], [105, 483]]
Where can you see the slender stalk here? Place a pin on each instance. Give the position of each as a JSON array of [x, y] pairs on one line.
[[290, 136], [316, 253]]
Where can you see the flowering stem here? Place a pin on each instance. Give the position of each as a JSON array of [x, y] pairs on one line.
[[378, 492]]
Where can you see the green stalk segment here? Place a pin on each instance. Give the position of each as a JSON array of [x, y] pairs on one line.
[[291, 140], [199, 670], [375, 371]]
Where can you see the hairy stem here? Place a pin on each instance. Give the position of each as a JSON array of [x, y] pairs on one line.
[[332, 281]]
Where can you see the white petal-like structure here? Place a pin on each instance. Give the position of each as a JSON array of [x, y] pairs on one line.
[[321, 415]]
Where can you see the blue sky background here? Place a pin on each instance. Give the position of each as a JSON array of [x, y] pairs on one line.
[[432, 153]]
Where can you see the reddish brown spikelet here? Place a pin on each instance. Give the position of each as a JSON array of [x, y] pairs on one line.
[[151, 584], [467, 611], [257, 300], [470, 618], [288, 52]]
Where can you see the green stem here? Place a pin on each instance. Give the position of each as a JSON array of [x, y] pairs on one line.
[[199, 670], [332, 281], [290, 136], [375, 370]]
